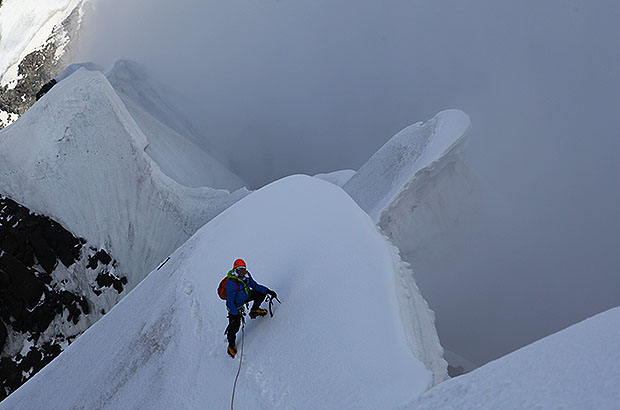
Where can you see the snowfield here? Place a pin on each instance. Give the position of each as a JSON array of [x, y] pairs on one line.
[[337, 340], [576, 368]]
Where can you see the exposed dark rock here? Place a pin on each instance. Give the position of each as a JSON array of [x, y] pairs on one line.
[[31, 299], [106, 279], [101, 256], [17, 370], [25, 289], [11, 376], [43, 251], [46, 87], [66, 246], [3, 334]]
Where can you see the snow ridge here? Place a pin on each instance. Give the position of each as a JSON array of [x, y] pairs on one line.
[[333, 271], [80, 140], [387, 173], [166, 128]]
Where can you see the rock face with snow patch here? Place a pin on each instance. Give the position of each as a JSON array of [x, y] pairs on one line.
[[28, 73], [336, 341], [45, 300]]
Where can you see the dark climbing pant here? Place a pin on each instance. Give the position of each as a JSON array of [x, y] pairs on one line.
[[234, 321]]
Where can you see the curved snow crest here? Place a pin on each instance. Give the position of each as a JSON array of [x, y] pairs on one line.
[[338, 178], [170, 135], [575, 368], [385, 175], [79, 157], [336, 339]]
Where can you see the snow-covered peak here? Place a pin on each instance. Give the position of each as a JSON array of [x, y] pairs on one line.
[[336, 341], [385, 175], [79, 156], [576, 368]]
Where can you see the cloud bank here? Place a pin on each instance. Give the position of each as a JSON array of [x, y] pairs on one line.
[[288, 86]]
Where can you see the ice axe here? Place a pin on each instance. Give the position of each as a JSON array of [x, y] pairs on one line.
[[271, 298]]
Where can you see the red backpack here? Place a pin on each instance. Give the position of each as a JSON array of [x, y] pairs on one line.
[[221, 289]]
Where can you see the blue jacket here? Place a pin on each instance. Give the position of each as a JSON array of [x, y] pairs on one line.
[[238, 291]]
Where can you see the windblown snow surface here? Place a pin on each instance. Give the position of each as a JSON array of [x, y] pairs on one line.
[[576, 368], [336, 342], [78, 156]]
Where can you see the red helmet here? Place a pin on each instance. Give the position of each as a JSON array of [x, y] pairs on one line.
[[238, 263]]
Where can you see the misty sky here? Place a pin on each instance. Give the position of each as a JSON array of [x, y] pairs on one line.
[[292, 86]]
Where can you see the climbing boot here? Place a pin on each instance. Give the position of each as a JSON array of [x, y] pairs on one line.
[[257, 312], [232, 351]]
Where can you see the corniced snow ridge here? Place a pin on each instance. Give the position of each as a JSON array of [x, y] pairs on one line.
[[79, 156], [337, 340]]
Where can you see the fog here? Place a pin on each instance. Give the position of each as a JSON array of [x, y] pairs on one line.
[[290, 86]]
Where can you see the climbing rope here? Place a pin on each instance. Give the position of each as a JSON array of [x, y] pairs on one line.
[[232, 400]]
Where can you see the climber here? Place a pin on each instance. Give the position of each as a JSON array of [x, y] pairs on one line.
[[241, 288]]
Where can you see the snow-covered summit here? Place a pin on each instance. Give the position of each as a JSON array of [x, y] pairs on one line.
[[79, 156], [336, 341]]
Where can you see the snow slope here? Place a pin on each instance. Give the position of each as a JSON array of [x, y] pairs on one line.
[[576, 368], [336, 341], [79, 156]]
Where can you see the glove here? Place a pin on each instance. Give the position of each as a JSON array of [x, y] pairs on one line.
[[272, 294]]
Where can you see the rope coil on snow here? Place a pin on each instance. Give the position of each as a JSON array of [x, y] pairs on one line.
[[232, 400]]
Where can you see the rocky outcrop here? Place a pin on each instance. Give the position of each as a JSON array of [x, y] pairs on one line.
[[52, 287], [37, 69]]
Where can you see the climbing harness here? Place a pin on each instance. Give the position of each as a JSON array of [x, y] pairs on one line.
[[232, 400]]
